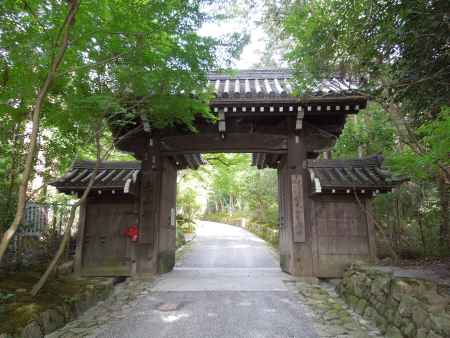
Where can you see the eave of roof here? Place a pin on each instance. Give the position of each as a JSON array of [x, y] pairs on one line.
[[274, 85], [348, 176]]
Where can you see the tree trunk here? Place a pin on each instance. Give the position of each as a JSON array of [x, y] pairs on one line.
[[16, 154], [30, 157], [397, 224], [420, 200], [67, 230], [444, 200]]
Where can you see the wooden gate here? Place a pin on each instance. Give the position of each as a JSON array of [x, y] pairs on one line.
[[341, 235], [106, 251]]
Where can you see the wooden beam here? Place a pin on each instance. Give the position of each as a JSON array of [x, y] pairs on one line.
[[233, 142]]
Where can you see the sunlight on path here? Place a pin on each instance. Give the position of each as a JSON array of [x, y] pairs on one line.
[[227, 284]]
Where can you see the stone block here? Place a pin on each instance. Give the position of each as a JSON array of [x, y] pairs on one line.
[[419, 315], [392, 305], [32, 330], [353, 301], [393, 332], [440, 324], [381, 286], [433, 334], [422, 333], [400, 321], [379, 306], [374, 316], [51, 320], [409, 330], [401, 287], [407, 304], [361, 306], [360, 285], [438, 302]]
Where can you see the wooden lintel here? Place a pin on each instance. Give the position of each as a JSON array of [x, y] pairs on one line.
[[233, 142]]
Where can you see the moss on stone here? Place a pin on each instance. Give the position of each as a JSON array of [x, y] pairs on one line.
[[24, 308]]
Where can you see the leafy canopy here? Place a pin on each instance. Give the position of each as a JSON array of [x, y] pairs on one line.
[[401, 46], [125, 58]]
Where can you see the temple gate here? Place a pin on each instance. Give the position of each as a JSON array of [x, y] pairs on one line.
[[323, 204]]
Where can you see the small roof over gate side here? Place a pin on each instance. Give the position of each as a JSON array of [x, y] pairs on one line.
[[111, 175], [348, 176]]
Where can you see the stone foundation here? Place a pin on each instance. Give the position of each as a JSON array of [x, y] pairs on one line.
[[401, 307], [55, 318]]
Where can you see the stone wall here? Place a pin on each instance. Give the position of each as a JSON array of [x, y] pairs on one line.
[[401, 307], [55, 318]]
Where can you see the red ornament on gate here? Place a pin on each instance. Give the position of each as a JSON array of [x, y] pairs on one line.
[[131, 232]]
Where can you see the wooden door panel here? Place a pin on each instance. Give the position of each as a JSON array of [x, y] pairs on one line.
[[342, 236], [106, 250]]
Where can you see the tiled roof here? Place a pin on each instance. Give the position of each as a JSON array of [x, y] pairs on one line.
[[112, 175], [278, 83], [362, 175]]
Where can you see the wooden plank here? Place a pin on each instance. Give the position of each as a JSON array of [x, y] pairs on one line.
[[105, 248], [370, 230], [314, 238], [233, 142], [342, 234], [333, 266], [298, 210], [342, 245]]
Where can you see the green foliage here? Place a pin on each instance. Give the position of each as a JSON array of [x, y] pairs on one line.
[[261, 195], [188, 209], [238, 190], [235, 191], [401, 46], [125, 60], [6, 297], [228, 176], [369, 132], [435, 137], [399, 53], [410, 215], [180, 239]]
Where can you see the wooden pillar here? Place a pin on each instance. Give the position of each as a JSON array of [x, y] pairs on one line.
[[157, 233], [167, 215], [150, 181], [284, 231], [298, 208]]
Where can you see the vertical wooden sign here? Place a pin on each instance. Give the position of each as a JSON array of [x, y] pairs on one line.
[[298, 210]]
